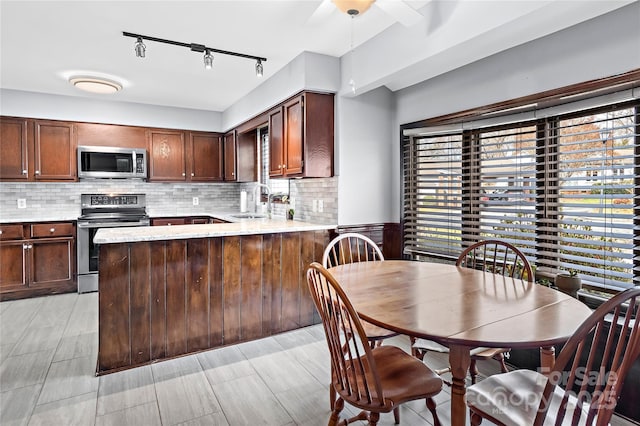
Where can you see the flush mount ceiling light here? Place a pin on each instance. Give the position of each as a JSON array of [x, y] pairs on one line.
[[95, 84], [140, 49], [353, 7]]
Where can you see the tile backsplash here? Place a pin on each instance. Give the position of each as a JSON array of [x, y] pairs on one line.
[[61, 201]]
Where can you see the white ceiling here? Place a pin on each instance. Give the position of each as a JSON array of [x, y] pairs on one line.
[[43, 43]]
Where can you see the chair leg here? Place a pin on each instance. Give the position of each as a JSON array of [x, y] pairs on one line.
[[473, 371], [373, 419], [476, 419], [335, 414], [431, 405], [503, 365], [332, 397], [396, 415]]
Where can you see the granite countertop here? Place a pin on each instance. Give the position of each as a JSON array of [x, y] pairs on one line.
[[240, 226]]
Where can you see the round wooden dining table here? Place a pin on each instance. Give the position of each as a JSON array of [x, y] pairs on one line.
[[461, 308]]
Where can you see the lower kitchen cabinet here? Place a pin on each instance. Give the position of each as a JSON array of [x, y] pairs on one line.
[[37, 259], [191, 220]]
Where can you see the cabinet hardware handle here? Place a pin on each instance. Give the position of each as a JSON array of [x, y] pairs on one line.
[[193, 174], [0, 231], [52, 230], [37, 172], [30, 246], [184, 174], [25, 246], [24, 172]]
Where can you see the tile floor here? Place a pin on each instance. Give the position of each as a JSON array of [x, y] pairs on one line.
[[48, 351]]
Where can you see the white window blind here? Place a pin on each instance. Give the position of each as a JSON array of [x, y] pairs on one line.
[[564, 189]]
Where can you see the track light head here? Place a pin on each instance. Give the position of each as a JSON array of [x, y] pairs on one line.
[[208, 59], [259, 68], [140, 48]]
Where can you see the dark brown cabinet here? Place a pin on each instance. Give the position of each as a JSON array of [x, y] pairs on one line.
[[55, 151], [190, 220], [37, 150], [176, 156], [37, 259], [230, 156], [14, 160], [301, 135], [240, 157], [167, 155], [205, 157]]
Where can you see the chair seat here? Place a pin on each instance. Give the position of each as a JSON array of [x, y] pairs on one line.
[[513, 398], [403, 378]]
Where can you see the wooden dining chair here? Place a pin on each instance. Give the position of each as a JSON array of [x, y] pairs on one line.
[[584, 385], [375, 380], [494, 256], [352, 247]]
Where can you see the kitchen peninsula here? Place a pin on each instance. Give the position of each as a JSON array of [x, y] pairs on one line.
[[166, 291]]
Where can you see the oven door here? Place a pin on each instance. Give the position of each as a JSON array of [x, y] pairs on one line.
[[87, 251]]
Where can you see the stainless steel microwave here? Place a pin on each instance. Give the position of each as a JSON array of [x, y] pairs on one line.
[[106, 162]]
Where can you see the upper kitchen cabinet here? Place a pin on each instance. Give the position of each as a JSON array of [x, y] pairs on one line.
[[55, 151], [240, 155], [205, 157], [37, 150], [96, 134], [14, 149], [167, 155], [301, 137], [184, 156]]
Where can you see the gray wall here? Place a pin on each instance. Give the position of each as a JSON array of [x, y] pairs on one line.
[[604, 46]]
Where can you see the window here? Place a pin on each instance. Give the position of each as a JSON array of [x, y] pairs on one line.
[[563, 188], [279, 187]]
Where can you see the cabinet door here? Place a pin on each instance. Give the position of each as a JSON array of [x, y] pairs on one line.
[[167, 151], [55, 151], [206, 157], [14, 162], [13, 266], [52, 261], [294, 136], [276, 143], [230, 156]]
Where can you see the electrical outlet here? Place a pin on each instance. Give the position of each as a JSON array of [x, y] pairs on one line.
[[315, 205], [320, 206], [196, 201], [22, 203]]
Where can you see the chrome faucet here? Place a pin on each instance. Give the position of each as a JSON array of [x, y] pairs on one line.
[[256, 194]]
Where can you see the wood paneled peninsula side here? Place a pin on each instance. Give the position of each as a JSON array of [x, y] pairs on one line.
[[166, 291]]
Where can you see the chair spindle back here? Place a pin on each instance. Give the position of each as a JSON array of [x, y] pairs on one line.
[[593, 378], [349, 248], [498, 257], [353, 366]]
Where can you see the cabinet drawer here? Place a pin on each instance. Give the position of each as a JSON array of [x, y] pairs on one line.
[[165, 222], [11, 232], [43, 230]]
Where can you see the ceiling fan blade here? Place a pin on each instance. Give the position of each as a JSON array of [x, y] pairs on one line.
[[322, 12], [400, 11]]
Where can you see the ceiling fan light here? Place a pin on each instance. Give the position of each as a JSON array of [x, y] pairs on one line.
[[353, 7], [95, 84]]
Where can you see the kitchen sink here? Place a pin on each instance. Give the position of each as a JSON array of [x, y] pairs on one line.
[[248, 215]]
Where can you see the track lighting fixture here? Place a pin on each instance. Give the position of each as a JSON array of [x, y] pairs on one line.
[[208, 59], [140, 49]]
